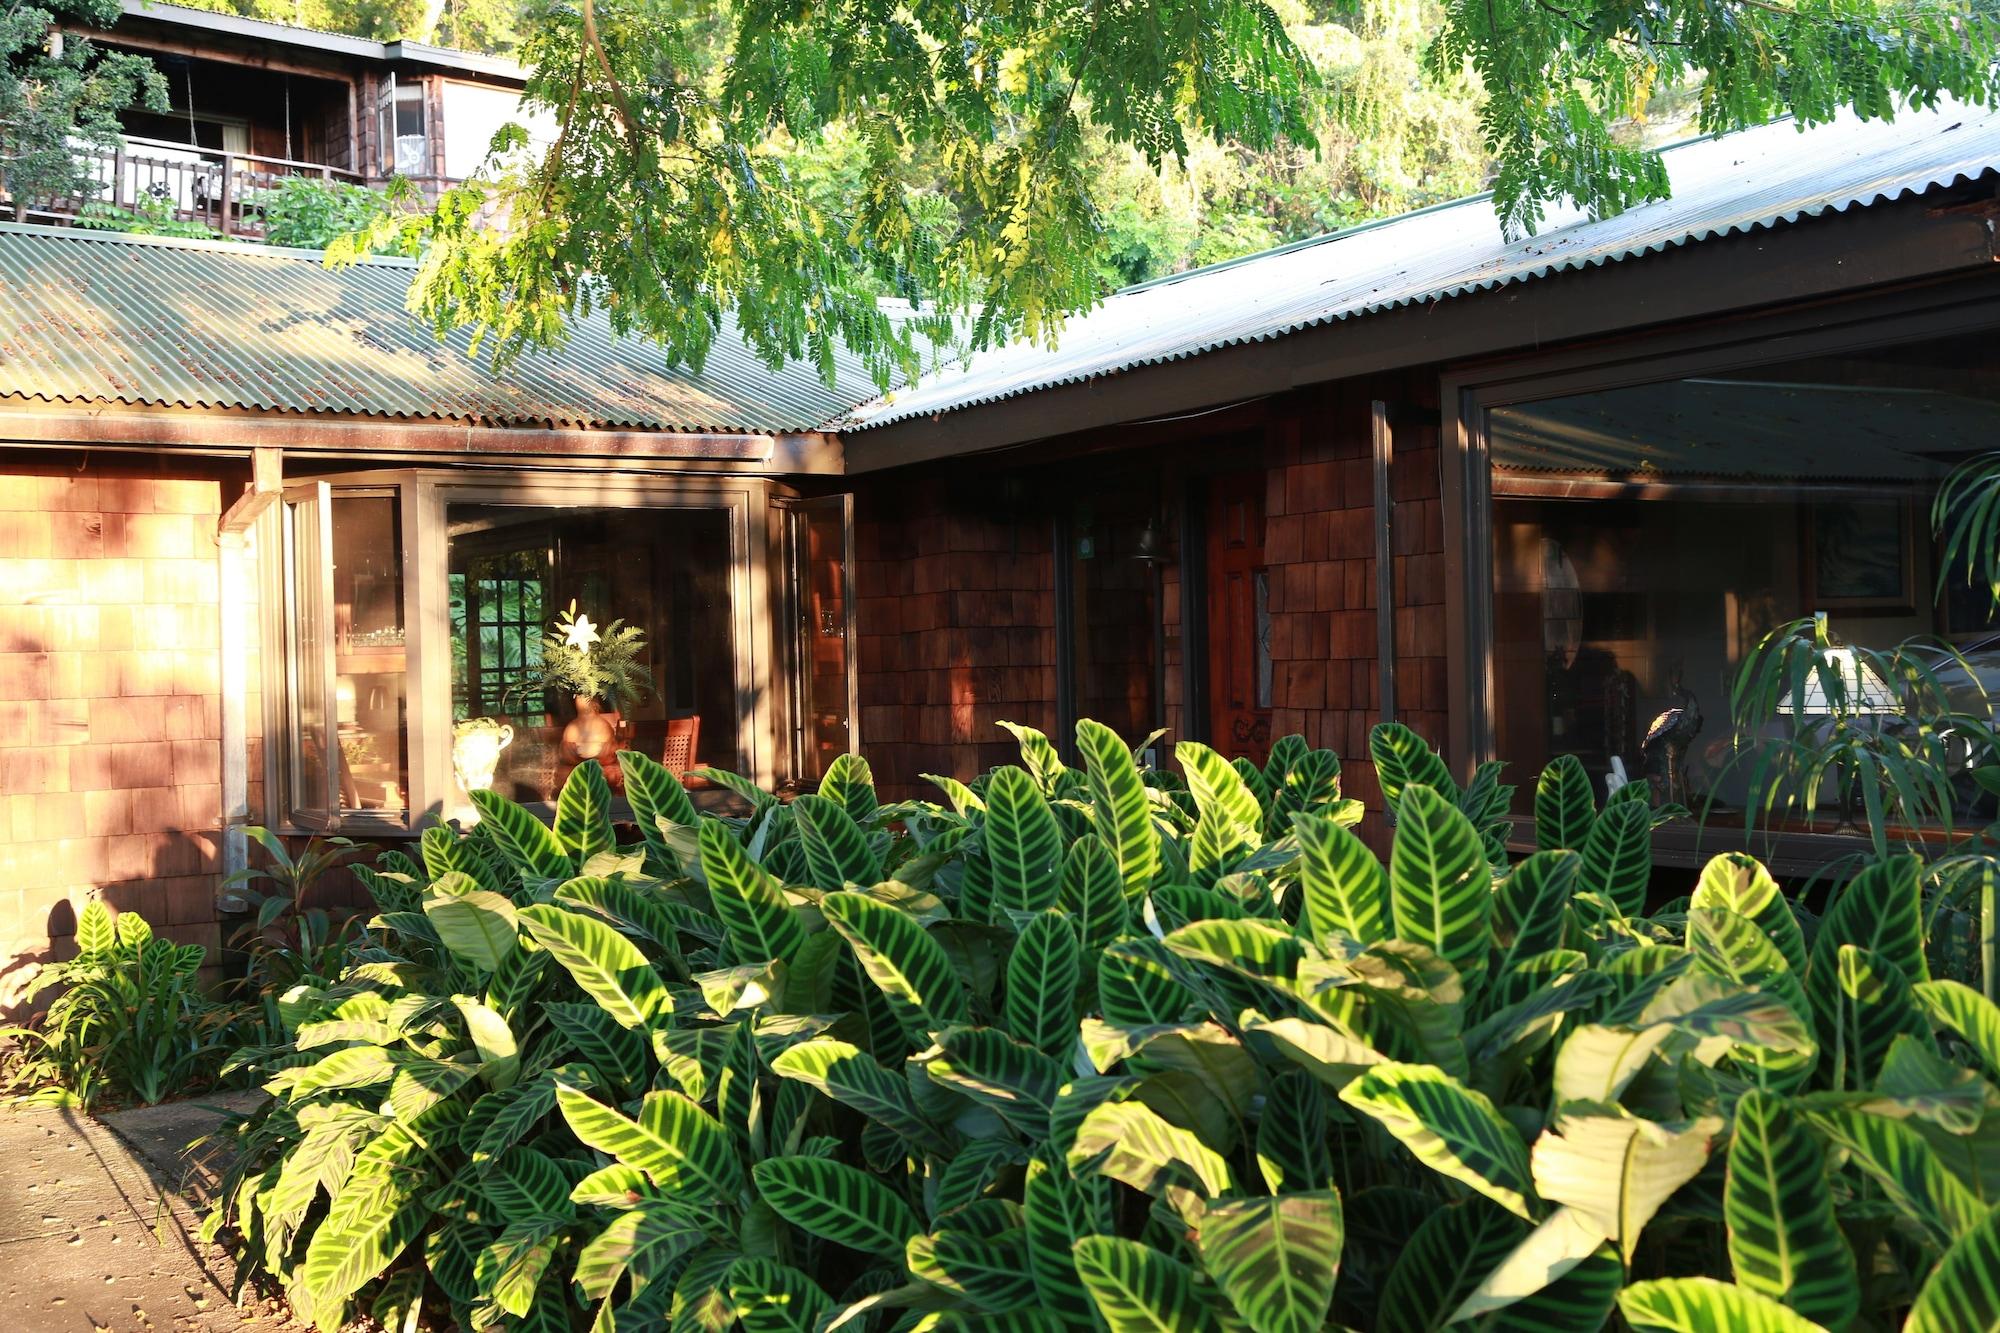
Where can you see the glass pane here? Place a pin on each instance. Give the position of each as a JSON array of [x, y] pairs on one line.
[[305, 548], [1647, 539], [822, 547], [1115, 631], [662, 572], [370, 668]]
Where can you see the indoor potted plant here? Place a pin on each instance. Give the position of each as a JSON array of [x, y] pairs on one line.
[[600, 670]]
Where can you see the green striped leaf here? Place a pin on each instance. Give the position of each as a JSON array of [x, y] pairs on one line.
[[1531, 905], [1965, 1011], [1136, 1289], [1784, 1241], [1880, 910], [964, 800], [1344, 889], [444, 852], [1704, 1305], [850, 784], [976, 1169], [374, 1216], [644, 1238], [1129, 1141], [1292, 1153], [476, 924], [1962, 1294], [752, 906], [529, 845], [910, 968], [608, 1046], [1741, 884], [1909, 1171], [1563, 1276], [1043, 974], [1275, 1259], [1870, 1005], [837, 851], [1310, 785], [1615, 1168], [1124, 813], [1220, 791], [769, 1297], [1442, 1262], [609, 968], [1451, 1128], [989, 1272], [655, 794], [96, 933], [583, 812], [1024, 844], [1565, 805], [1093, 894], [838, 1203], [1038, 756], [1440, 890], [676, 1143], [1058, 1210], [1404, 759], [844, 1073], [1618, 854], [1013, 1078]]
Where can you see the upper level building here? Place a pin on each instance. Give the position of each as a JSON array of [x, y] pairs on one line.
[[252, 102]]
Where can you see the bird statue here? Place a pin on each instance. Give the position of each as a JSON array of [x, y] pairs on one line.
[[1666, 743]]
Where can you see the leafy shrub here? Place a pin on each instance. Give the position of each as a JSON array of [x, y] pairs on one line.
[[310, 214], [1104, 1047], [147, 217], [131, 1021], [290, 940]]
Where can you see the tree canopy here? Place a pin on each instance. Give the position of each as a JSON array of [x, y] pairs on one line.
[[55, 87]]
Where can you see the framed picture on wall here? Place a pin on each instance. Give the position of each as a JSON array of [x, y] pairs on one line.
[[1860, 556]]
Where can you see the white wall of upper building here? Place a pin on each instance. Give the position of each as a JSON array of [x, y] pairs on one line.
[[473, 113]]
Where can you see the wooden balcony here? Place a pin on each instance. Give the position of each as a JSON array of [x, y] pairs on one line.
[[218, 189]]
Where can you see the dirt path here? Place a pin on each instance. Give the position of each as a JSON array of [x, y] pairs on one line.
[[97, 1230]]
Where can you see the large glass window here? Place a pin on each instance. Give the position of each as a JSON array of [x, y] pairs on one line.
[[1646, 539], [818, 599], [370, 666], [1115, 541], [514, 568]]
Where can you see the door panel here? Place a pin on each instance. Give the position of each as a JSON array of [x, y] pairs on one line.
[[1239, 621], [308, 526]]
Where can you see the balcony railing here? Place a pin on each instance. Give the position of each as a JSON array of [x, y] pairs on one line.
[[218, 189]]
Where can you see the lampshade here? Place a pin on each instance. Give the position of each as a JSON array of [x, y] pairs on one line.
[[1865, 689]]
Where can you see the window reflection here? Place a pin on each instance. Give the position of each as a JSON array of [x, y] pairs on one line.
[[370, 668], [513, 568], [1647, 539]]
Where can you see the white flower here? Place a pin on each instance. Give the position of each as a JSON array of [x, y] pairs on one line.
[[581, 634]]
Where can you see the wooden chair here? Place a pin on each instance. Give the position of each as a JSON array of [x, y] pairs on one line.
[[677, 754]]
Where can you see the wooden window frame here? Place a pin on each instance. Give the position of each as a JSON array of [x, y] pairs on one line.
[[1469, 393]]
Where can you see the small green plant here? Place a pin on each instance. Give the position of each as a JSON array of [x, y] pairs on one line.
[[148, 216], [291, 940], [589, 661], [310, 214], [130, 1021]]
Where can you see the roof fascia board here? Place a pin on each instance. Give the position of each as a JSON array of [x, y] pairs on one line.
[[198, 430], [1909, 240], [311, 39]]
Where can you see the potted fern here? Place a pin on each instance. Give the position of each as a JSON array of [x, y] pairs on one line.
[[600, 670]]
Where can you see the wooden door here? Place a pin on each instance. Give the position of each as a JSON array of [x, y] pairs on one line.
[[1239, 622]]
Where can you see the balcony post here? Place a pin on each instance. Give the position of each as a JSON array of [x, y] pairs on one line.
[[228, 191], [118, 175]]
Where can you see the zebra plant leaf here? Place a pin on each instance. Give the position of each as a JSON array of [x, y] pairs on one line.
[[1093, 894], [583, 812], [608, 967], [910, 968], [844, 1073], [1136, 1289], [1221, 793], [676, 1143], [1963, 1291], [850, 784], [1124, 819], [1038, 756], [1440, 890], [1907, 1169], [655, 794], [529, 845], [1565, 806], [769, 1297], [839, 1203], [1784, 1241], [1129, 1141], [1618, 854], [1976, 1019], [1742, 885], [1881, 911], [1451, 1128], [478, 925], [1404, 759], [760, 923], [1024, 844], [1309, 785], [1344, 890], [1043, 974], [1275, 1259], [837, 851], [1442, 1262], [1616, 1168], [1704, 1305], [1292, 1151], [1863, 1005], [1058, 1210], [1013, 1078], [1531, 905]]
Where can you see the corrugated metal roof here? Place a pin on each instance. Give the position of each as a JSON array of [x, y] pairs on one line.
[[1721, 186], [89, 317]]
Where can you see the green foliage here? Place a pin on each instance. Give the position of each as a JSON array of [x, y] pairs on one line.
[[58, 93], [1093, 1048], [146, 217], [588, 661], [311, 214], [130, 1022]]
